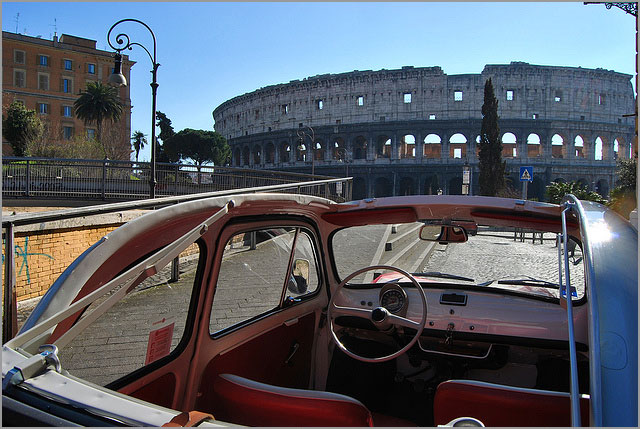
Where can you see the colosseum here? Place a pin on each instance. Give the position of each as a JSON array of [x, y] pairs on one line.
[[415, 130]]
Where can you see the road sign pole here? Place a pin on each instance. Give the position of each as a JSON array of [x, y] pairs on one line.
[[524, 190]]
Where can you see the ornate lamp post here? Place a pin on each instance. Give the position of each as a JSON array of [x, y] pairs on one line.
[[302, 134], [343, 151], [117, 79]]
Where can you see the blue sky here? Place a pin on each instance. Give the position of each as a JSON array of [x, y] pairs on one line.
[[211, 52]]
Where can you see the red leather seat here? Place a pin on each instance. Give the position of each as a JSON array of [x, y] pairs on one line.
[[499, 405], [246, 402]]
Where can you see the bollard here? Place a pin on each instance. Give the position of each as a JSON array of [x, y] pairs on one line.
[[175, 270]]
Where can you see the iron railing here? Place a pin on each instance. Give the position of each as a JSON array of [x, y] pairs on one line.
[[125, 180], [336, 189]]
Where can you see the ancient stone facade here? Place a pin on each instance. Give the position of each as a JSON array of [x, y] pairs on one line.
[[411, 131]]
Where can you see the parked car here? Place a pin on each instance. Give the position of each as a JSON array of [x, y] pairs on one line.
[[294, 310]]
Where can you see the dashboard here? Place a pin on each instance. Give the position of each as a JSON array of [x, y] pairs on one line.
[[473, 313]]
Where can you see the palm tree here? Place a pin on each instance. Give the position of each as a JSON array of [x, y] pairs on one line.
[[97, 103], [139, 140]]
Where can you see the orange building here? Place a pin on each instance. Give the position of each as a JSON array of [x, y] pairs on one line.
[[48, 75]]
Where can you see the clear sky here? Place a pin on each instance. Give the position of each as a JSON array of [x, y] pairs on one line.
[[211, 52]]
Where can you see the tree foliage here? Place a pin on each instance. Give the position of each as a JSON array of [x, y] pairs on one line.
[[492, 167], [21, 127], [139, 141], [623, 196], [98, 103], [200, 146], [164, 151], [557, 190]]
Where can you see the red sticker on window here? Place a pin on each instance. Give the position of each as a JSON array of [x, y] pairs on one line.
[[159, 343]]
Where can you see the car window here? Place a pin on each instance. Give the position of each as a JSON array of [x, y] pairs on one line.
[[255, 276], [508, 258], [139, 329]]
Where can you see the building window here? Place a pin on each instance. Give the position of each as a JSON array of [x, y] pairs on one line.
[[601, 99], [18, 57], [535, 116], [558, 97], [19, 78], [67, 86], [68, 65], [432, 116], [457, 96], [407, 97], [43, 60], [91, 68], [509, 95], [67, 132], [320, 104], [43, 108], [43, 81], [360, 100], [67, 111], [285, 109]]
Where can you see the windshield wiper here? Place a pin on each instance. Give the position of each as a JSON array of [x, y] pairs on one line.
[[442, 276], [529, 281]]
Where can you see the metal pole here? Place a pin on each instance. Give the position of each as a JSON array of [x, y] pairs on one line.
[[154, 92], [10, 311]]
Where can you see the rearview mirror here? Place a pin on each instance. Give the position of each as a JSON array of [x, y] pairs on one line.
[[299, 280], [443, 233]]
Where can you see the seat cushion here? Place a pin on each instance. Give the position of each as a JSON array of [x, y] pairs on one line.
[[247, 402], [499, 405]]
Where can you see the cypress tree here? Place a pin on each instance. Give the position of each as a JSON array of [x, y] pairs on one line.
[[492, 167]]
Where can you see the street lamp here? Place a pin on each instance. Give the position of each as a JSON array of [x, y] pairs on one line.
[[344, 159], [301, 135], [118, 79]]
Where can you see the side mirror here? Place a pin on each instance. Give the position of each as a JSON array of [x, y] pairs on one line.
[[443, 233], [299, 280]]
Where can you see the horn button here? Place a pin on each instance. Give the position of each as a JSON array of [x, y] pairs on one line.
[[379, 314]]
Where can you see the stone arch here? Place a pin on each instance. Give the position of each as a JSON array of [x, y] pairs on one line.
[[360, 148], [534, 146], [407, 186], [301, 152], [616, 148], [598, 149], [237, 157], [257, 154], [509, 145], [383, 146], [320, 150], [359, 190], [338, 149], [382, 187], [270, 153], [408, 146], [558, 146], [455, 186], [245, 155], [602, 187], [457, 146], [285, 152], [578, 145], [432, 147], [431, 185]]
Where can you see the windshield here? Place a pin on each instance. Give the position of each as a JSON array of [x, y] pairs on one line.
[[519, 260]]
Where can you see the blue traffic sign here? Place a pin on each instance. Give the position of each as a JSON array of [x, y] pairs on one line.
[[526, 174]]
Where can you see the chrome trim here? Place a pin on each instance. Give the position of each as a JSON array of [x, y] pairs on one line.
[[456, 354], [573, 358]]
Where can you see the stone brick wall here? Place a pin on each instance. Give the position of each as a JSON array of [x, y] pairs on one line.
[[41, 256]]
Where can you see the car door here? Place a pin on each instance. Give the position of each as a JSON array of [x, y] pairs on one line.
[[267, 296]]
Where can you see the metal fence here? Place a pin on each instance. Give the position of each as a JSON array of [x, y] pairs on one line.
[[337, 189], [124, 180]]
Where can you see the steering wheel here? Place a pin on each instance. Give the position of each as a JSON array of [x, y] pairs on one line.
[[379, 316]]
